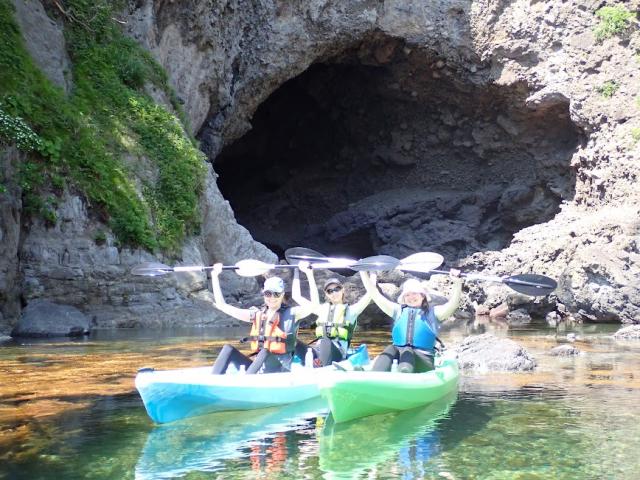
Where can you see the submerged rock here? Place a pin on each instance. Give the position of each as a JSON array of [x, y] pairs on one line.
[[489, 353], [43, 318]]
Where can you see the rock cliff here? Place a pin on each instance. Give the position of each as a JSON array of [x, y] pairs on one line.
[[501, 134]]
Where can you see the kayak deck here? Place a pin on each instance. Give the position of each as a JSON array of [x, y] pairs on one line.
[[355, 394]]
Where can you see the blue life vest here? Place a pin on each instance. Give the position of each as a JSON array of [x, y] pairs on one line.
[[415, 328]]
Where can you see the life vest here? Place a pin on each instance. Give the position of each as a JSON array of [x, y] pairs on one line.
[[277, 336], [415, 328], [332, 322]]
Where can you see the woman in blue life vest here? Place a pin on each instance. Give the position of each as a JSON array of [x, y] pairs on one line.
[[274, 329], [415, 324], [336, 320]]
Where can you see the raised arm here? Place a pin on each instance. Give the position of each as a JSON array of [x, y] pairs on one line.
[[243, 314], [386, 305], [444, 311], [361, 304], [314, 304]]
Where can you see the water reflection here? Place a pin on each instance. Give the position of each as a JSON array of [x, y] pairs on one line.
[[348, 450], [207, 444]]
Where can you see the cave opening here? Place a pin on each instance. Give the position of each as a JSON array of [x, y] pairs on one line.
[[390, 149]]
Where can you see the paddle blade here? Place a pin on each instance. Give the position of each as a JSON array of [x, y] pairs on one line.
[[151, 269], [297, 254], [376, 263], [531, 284], [422, 262], [252, 268]]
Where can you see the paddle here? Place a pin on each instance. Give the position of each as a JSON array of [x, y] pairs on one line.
[[418, 262], [296, 255], [528, 284], [244, 268]]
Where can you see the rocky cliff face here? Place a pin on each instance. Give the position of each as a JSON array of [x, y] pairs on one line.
[[485, 130], [453, 126]]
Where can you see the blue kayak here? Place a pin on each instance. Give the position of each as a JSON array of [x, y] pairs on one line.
[[170, 395]]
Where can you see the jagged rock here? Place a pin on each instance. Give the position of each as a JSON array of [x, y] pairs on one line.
[[487, 352], [42, 318], [626, 333], [564, 351]]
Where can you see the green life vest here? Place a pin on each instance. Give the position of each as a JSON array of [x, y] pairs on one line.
[[332, 322]]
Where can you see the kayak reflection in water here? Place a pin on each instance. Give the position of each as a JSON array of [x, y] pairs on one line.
[[274, 329], [415, 323], [336, 320]]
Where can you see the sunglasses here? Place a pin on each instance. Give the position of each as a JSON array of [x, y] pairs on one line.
[[270, 294], [333, 290]]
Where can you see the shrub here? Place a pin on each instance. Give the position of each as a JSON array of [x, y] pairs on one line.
[[608, 88], [614, 20]]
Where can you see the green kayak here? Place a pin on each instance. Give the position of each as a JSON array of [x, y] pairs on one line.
[[355, 394]]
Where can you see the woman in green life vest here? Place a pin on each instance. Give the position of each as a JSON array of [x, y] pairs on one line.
[[336, 320]]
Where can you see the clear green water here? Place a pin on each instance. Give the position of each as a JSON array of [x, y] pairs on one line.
[[68, 410]]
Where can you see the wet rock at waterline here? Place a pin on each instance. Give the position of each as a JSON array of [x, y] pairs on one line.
[[564, 351], [632, 332], [42, 318], [487, 352]]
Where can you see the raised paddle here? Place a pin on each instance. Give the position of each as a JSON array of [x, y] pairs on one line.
[[244, 268], [418, 262], [296, 255], [530, 284]]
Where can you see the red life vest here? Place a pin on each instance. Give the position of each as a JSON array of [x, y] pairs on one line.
[[267, 335]]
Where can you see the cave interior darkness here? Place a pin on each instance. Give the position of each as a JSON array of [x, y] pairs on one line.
[[396, 152]]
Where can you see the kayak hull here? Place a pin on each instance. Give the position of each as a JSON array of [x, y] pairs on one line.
[[174, 394], [356, 394], [170, 395]]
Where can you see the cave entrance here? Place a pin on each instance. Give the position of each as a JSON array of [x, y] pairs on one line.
[[388, 149]]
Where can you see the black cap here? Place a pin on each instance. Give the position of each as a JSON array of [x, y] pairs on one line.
[[331, 281]]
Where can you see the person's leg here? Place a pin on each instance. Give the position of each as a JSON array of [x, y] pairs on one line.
[[328, 352], [424, 362], [385, 359], [406, 363], [301, 350], [268, 360], [228, 355], [258, 361]]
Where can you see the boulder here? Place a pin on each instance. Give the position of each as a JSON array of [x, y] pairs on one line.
[[489, 353], [564, 351], [630, 332], [518, 317], [43, 318]]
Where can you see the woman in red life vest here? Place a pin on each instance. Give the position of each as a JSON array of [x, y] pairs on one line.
[[274, 329]]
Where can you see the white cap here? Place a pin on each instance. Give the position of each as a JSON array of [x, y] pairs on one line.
[[413, 286], [273, 284]]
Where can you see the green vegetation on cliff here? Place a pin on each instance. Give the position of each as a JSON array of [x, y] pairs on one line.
[[83, 140], [614, 20]]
